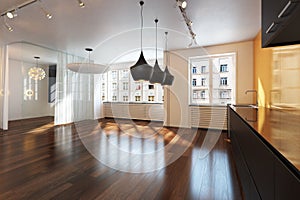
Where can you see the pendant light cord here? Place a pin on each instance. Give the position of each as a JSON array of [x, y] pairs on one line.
[[142, 24], [37, 60], [156, 21], [166, 46]]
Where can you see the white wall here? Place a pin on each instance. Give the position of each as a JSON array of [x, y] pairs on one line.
[[30, 108], [177, 101]]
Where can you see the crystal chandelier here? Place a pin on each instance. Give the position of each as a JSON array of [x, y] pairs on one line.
[[36, 73]]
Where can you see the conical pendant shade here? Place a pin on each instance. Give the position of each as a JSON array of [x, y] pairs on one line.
[[141, 71], [169, 78], [158, 75]]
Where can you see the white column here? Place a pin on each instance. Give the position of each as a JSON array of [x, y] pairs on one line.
[[4, 88]]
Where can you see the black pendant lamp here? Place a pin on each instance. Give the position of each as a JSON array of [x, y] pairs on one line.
[[169, 78], [141, 71], [158, 75]]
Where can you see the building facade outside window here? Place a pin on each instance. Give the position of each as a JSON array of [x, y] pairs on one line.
[[223, 81], [194, 71], [114, 86], [216, 80], [223, 68], [194, 83], [114, 74], [117, 85], [137, 98], [203, 94], [150, 98], [125, 98], [203, 81], [203, 69], [125, 86]]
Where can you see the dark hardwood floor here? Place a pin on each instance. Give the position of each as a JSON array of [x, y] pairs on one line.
[[40, 161]]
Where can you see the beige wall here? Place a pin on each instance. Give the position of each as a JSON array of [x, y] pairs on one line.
[[276, 76], [262, 72], [177, 100]]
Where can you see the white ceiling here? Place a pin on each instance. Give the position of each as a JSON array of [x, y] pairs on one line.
[[111, 27]]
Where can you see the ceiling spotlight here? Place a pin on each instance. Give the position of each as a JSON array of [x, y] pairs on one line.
[[7, 26], [189, 23], [182, 3], [10, 15], [81, 4], [47, 14]]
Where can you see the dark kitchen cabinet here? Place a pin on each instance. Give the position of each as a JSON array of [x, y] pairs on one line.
[[286, 186], [280, 22], [263, 173], [236, 127]]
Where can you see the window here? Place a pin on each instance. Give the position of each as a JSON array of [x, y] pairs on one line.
[[195, 95], [114, 86], [151, 87], [119, 84], [137, 98], [125, 86], [202, 94], [138, 86], [194, 70], [203, 69], [150, 98], [224, 95], [215, 85], [113, 74], [125, 98], [203, 81], [194, 83], [124, 73], [223, 68], [223, 81]]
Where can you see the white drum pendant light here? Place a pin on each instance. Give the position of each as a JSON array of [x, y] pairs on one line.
[[158, 75], [87, 68], [141, 71]]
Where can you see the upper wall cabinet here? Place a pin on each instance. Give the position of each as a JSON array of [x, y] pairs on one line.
[[280, 22]]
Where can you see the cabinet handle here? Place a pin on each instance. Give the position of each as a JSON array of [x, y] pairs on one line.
[[270, 28], [286, 7]]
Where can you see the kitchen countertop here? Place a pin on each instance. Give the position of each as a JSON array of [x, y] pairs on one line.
[[279, 128]]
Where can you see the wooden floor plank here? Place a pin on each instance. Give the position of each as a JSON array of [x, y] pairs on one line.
[[40, 161]]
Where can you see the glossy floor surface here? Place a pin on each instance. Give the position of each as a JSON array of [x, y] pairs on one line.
[[39, 161]]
